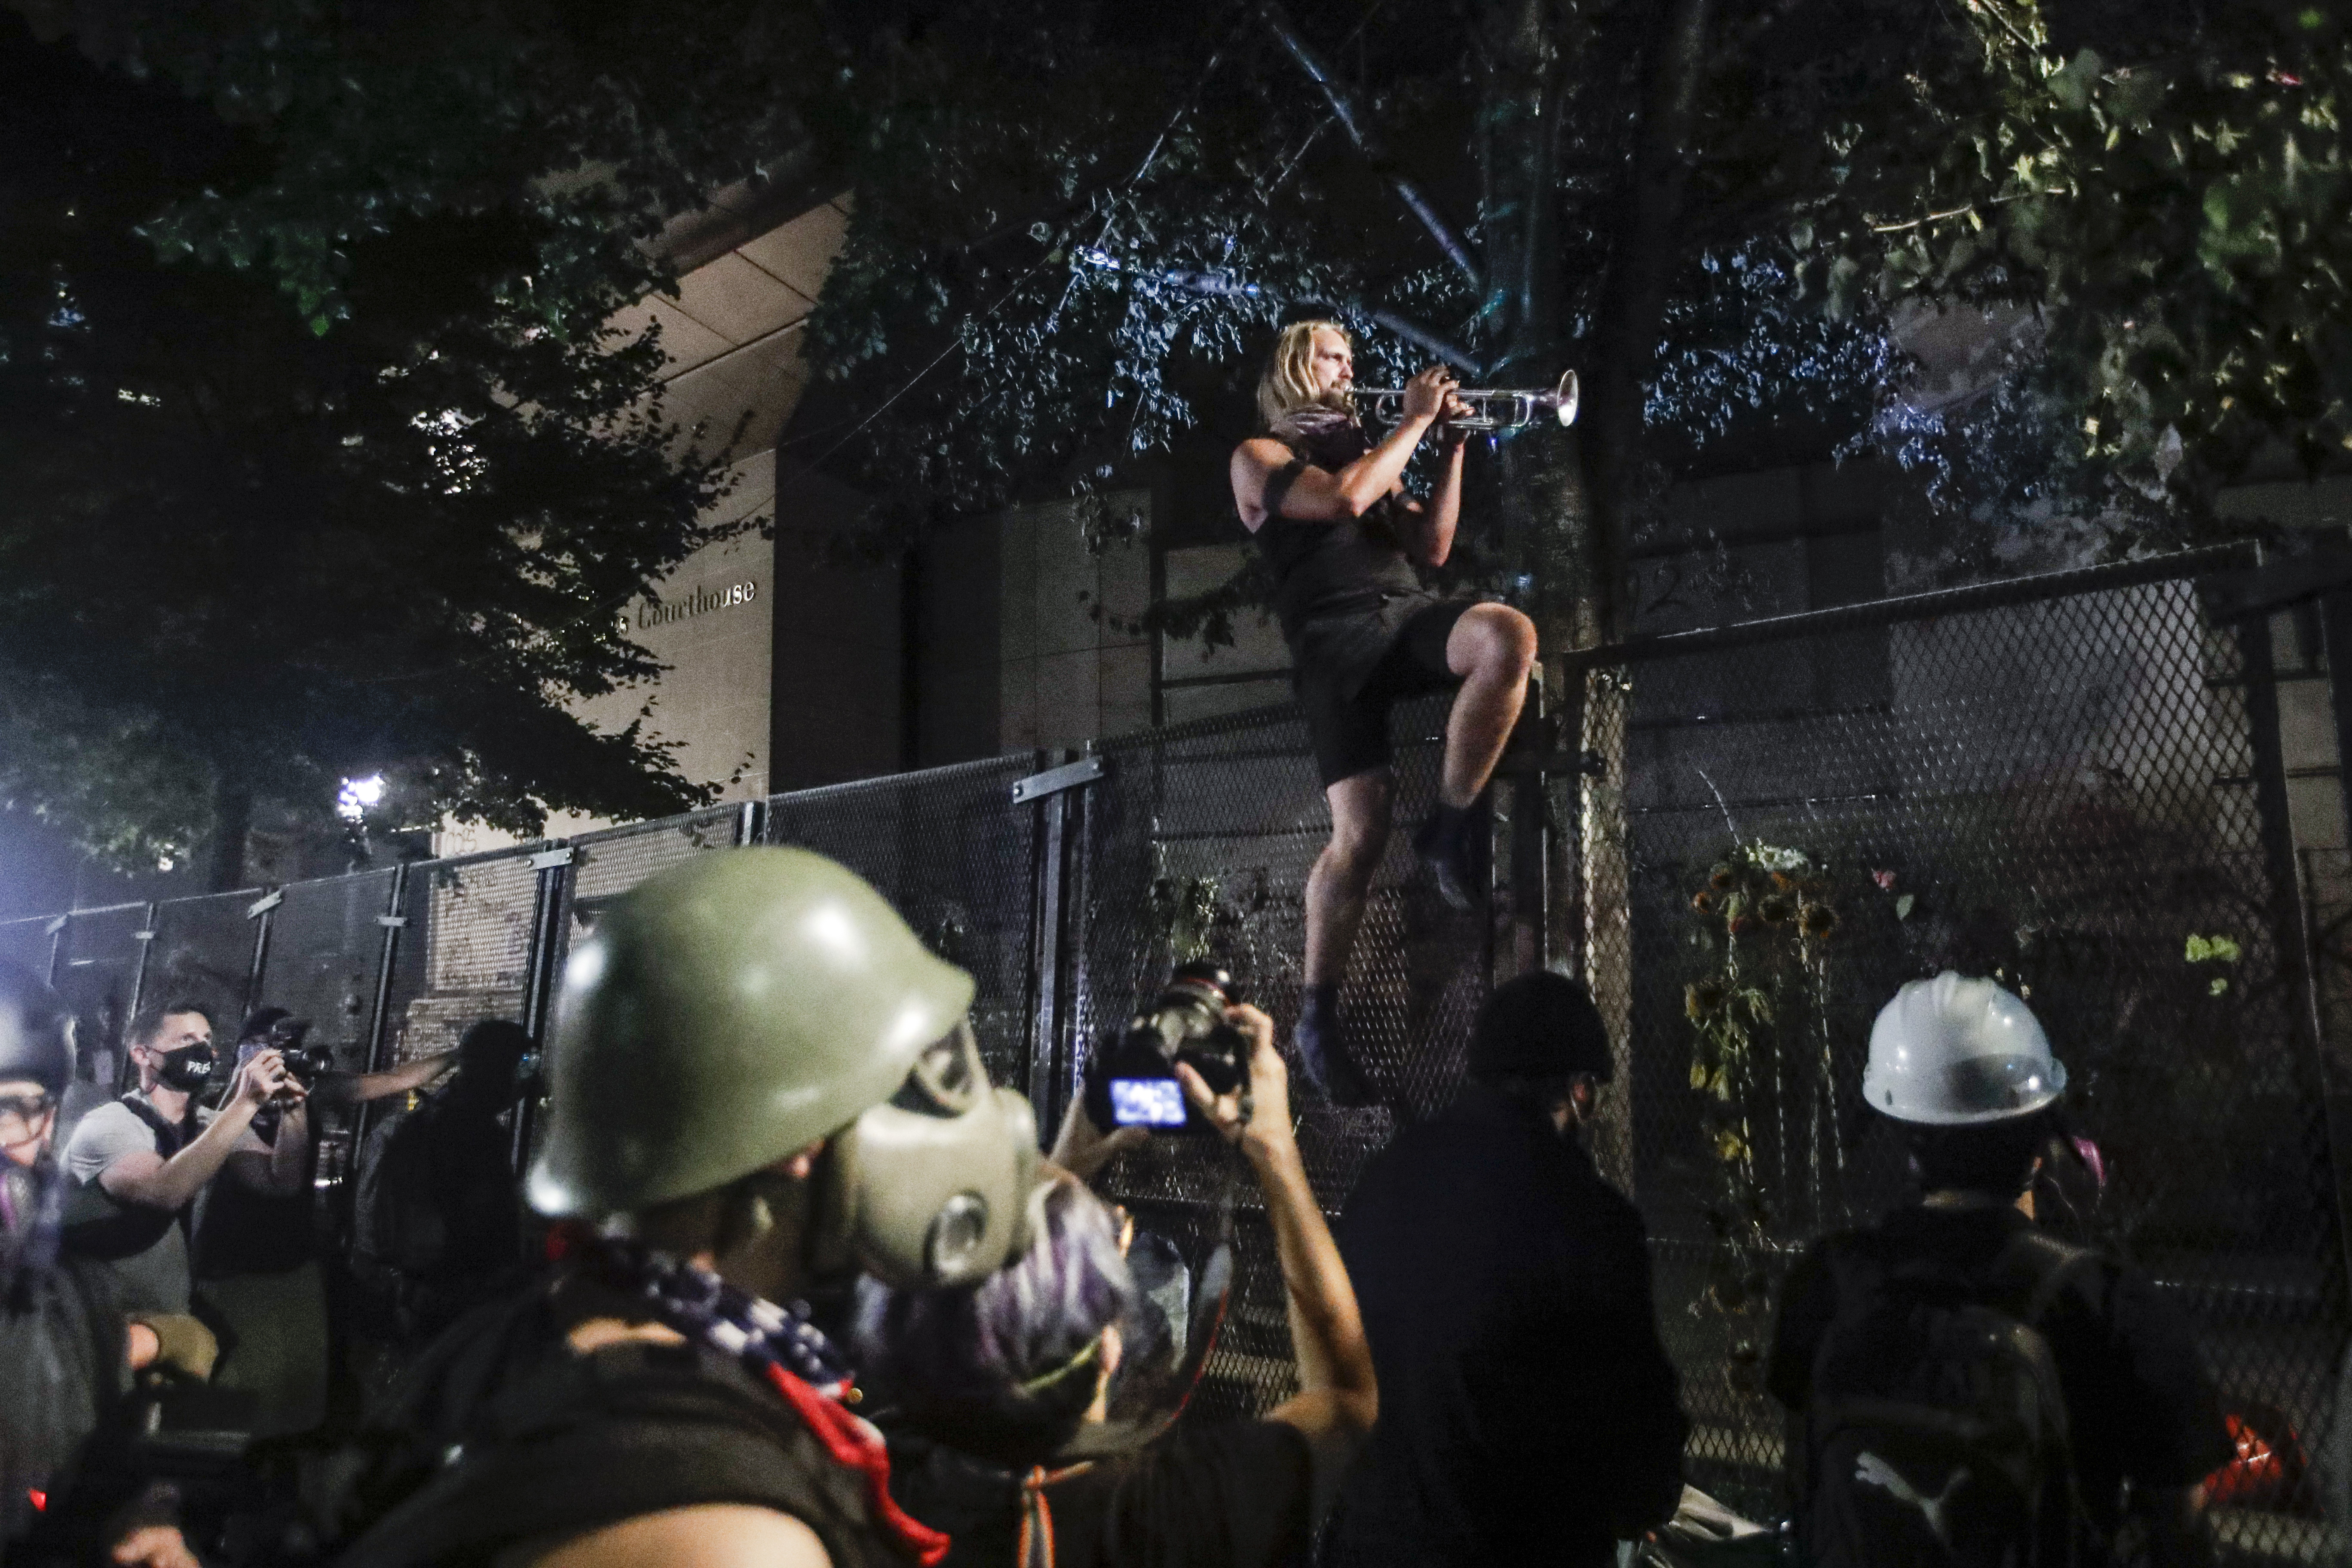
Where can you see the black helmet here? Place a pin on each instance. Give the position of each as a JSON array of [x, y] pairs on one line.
[[1540, 1026], [36, 1039]]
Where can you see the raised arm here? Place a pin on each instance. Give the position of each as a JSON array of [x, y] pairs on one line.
[[342, 1088], [150, 1181], [1317, 495], [1432, 537], [1337, 1398]]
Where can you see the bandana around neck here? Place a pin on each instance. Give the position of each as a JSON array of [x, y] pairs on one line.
[[780, 1347]]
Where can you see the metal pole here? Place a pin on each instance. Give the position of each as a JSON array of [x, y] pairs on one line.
[[1523, 950], [264, 910], [55, 932], [1045, 980], [751, 823], [392, 921], [2290, 923], [554, 868], [145, 937]]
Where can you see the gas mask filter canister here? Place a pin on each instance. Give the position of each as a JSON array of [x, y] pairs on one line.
[[930, 1188]]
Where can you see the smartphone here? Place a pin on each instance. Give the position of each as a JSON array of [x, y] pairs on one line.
[[1146, 1102]]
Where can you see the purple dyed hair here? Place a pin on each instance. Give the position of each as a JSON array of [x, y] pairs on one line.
[[975, 1368]]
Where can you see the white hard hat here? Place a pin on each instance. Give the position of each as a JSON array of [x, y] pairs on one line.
[[1953, 1052]]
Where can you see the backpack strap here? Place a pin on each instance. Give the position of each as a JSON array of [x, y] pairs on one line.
[[2030, 1270], [172, 1139]]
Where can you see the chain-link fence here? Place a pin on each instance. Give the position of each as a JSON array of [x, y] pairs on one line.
[[1745, 840], [2073, 787], [1197, 844]]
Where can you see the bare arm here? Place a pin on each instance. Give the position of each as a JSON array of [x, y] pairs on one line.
[[705, 1535], [344, 1088], [150, 1181], [1339, 1398], [281, 1167], [1432, 531], [1317, 495]]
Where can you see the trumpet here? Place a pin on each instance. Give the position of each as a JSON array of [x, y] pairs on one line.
[[1502, 408]]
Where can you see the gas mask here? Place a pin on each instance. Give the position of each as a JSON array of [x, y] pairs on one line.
[[930, 1188], [188, 1069]]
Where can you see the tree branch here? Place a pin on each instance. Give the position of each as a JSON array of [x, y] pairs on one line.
[[1224, 285], [1367, 142]]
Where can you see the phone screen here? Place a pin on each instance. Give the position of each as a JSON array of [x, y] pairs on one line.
[[1146, 1102]]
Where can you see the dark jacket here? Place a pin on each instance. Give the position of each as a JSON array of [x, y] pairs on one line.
[[503, 1435], [1528, 1411]]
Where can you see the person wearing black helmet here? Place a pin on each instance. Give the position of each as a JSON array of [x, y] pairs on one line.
[[66, 1348], [1506, 1289]]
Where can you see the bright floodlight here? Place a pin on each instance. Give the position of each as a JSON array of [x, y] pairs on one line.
[[357, 794]]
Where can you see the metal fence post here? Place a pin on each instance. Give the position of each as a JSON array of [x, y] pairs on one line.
[[264, 910], [554, 869], [145, 937], [1051, 791], [2290, 919], [1525, 937], [751, 823]]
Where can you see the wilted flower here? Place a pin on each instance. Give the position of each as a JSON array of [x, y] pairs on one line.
[[1782, 881], [1703, 999], [1885, 881], [1776, 910], [1721, 878], [1727, 1145], [1740, 923], [1703, 901], [1818, 920]]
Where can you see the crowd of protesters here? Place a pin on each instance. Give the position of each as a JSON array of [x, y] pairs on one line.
[[800, 1288]]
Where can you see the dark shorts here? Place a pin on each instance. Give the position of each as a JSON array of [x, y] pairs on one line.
[[1350, 732]]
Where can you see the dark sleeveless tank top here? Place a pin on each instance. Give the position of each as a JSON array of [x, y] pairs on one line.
[[1344, 567]]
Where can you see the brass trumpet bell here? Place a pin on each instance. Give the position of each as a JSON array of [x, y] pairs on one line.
[[1498, 409]]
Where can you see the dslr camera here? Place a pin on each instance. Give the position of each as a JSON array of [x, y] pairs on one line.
[[1132, 1082], [286, 1036]]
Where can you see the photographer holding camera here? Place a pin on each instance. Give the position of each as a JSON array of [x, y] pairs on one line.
[[253, 1248], [996, 1383], [151, 1151]]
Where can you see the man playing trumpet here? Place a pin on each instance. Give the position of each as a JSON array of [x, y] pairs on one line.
[[1329, 509]]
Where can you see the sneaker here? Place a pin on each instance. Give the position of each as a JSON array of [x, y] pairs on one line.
[[1452, 861], [1323, 1058]]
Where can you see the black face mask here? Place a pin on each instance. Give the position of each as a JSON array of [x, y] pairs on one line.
[[188, 1068]]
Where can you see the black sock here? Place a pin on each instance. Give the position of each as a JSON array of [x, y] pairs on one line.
[[1321, 1002]]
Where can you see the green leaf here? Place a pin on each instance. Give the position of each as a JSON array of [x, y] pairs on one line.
[[2072, 84], [1902, 907]]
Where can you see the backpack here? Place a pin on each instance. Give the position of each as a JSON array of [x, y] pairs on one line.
[[399, 1222], [1935, 1431]]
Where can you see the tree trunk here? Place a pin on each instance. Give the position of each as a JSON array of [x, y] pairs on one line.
[[1568, 500], [232, 824]]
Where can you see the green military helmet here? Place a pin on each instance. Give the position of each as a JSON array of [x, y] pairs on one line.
[[728, 1013]]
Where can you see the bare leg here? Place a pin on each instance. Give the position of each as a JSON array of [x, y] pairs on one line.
[[1492, 647], [1343, 872]]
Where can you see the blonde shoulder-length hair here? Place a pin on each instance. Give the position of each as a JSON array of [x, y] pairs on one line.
[[1289, 379]]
